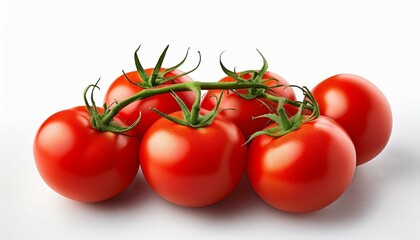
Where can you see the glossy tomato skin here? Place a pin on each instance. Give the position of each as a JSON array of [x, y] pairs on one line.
[[81, 163], [242, 111], [305, 170], [122, 89], [360, 108], [193, 167]]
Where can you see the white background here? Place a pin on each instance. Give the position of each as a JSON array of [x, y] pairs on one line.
[[51, 50]]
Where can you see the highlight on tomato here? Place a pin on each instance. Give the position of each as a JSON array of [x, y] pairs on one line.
[[360, 108], [82, 163], [134, 82], [301, 164], [193, 163], [246, 104]]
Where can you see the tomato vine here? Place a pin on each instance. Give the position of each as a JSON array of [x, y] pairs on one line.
[[153, 86], [194, 153]]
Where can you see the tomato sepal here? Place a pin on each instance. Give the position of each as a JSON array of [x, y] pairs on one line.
[[193, 118], [157, 77], [96, 120], [286, 124], [255, 77]]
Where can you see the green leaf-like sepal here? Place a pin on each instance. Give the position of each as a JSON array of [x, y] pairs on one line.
[[256, 77], [208, 118], [285, 124], [188, 119], [140, 70], [157, 77], [96, 117]]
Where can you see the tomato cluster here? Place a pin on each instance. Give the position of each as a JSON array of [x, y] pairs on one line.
[[299, 156]]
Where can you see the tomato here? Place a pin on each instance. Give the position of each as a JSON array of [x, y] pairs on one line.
[[304, 170], [360, 108], [242, 111], [122, 89], [82, 163], [193, 167]]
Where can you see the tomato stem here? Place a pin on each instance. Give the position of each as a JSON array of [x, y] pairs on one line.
[[188, 86], [255, 88], [195, 109], [286, 100], [102, 121]]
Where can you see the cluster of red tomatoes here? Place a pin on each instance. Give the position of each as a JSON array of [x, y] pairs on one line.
[[302, 170]]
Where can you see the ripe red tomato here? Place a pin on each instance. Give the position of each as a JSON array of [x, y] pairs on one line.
[[193, 167], [82, 163], [121, 89], [304, 170], [360, 108], [245, 110]]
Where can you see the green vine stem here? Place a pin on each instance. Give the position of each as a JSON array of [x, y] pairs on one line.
[[306, 104], [103, 122], [255, 86], [106, 118]]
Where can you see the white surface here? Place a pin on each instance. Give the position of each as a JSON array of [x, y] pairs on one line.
[[51, 51]]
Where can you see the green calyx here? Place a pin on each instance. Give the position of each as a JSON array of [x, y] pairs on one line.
[[158, 77], [97, 119], [193, 118], [254, 77], [287, 124]]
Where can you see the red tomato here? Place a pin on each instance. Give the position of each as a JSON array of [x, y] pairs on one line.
[[245, 110], [82, 163], [193, 167], [360, 108], [122, 89], [304, 170]]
